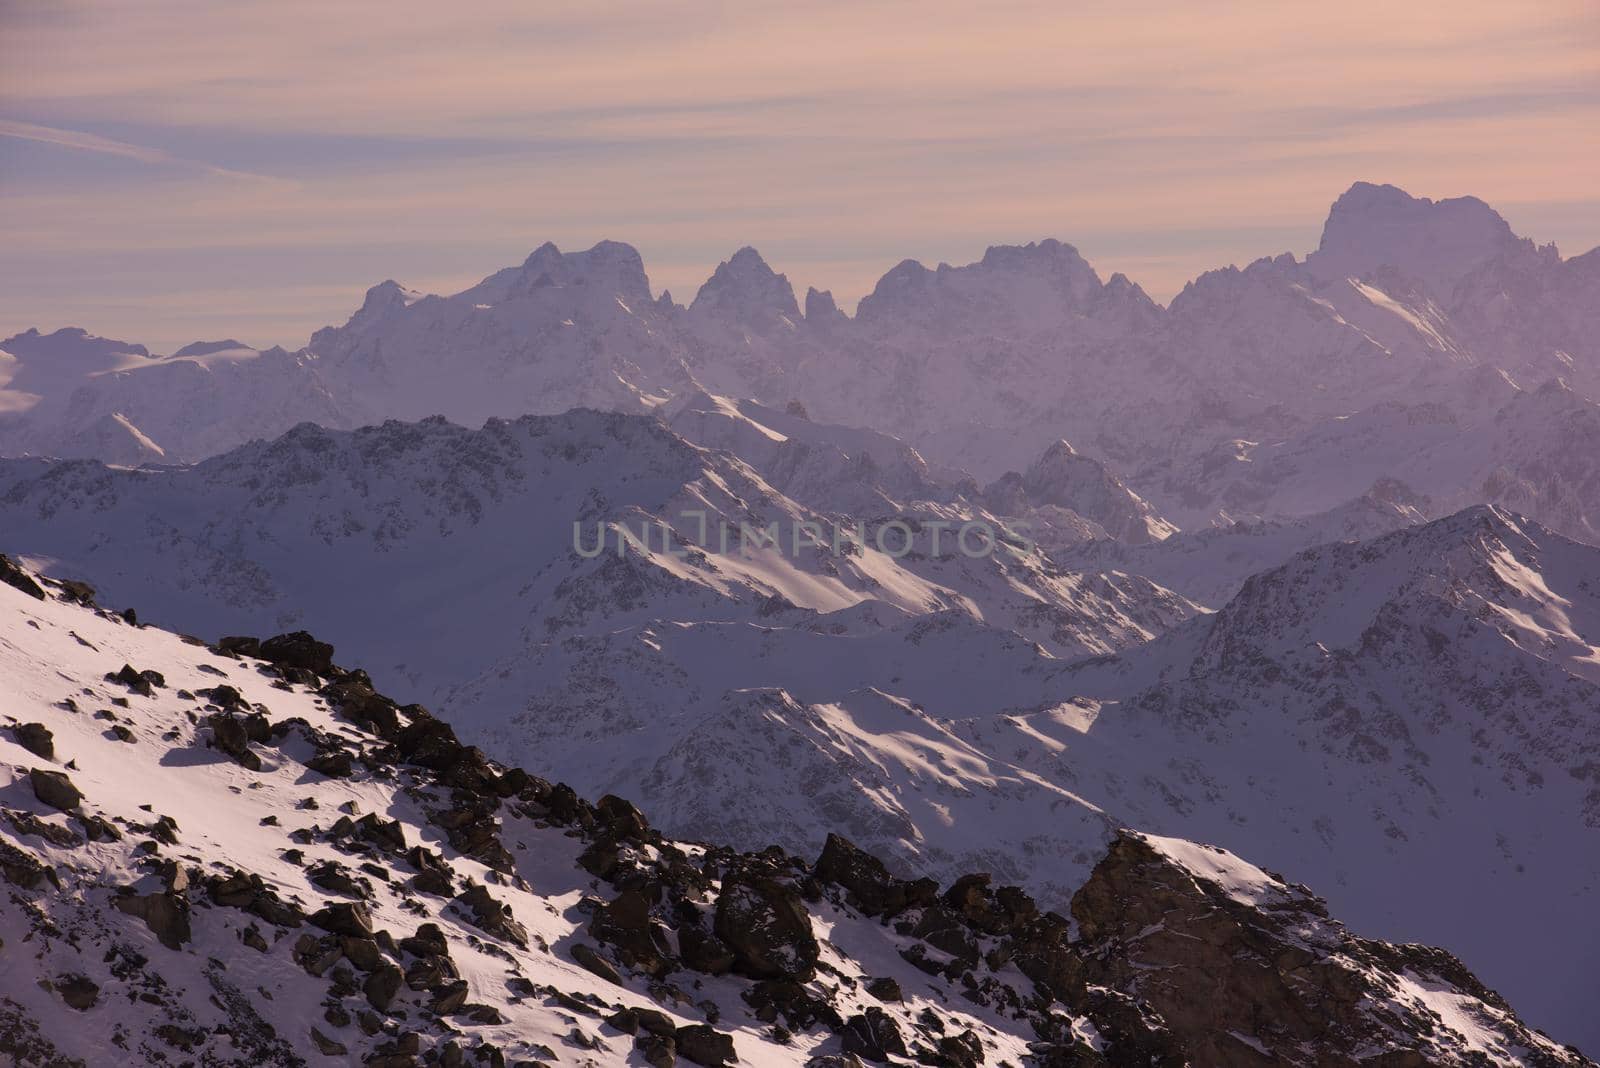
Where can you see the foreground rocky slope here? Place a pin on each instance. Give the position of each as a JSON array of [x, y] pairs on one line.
[[243, 855]]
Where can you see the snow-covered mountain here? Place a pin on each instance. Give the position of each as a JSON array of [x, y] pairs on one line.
[[1407, 306], [936, 707], [212, 858], [75, 395], [1412, 711], [435, 552]]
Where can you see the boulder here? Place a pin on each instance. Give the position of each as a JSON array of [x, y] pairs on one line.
[[870, 886], [36, 739], [298, 650], [595, 963], [705, 1045], [765, 924], [53, 788], [344, 918], [873, 1035]]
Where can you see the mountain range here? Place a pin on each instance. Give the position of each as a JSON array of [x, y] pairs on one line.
[[1011, 571]]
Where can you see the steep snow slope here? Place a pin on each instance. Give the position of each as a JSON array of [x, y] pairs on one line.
[[235, 861]]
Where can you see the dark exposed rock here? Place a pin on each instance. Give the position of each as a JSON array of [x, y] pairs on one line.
[[765, 924], [705, 1045], [326, 1046], [1158, 938], [871, 888], [143, 683], [433, 874], [873, 1035], [22, 868], [633, 1020], [334, 763], [594, 962], [428, 941], [449, 997], [431, 971], [493, 916], [658, 1051], [298, 650], [99, 829], [239, 645], [35, 738], [344, 918], [333, 876], [53, 788], [625, 924], [230, 734], [27, 823], [884, 989], [78, 991], [165, 913], [382, 986], [704, 951], [18, 579]]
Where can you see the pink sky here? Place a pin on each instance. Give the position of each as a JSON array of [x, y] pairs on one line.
[[175, 170]]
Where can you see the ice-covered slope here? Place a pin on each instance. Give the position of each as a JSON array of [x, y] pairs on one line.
[[240, 861]]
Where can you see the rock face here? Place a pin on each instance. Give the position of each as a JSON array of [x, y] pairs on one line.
[[1245, 969]]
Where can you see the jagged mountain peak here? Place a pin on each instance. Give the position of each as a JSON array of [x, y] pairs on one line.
[[1027, 286], [821, 308], [1436, 241], [745, 289], [613, 267]]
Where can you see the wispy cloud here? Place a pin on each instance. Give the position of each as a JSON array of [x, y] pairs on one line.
[[430, 141], [88, 142]]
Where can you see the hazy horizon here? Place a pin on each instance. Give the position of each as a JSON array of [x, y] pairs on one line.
[[164, 184]]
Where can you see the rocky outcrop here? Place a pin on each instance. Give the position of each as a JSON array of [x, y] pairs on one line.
[[1245, 969]]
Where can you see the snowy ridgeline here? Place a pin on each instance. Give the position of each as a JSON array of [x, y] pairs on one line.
[[213, 858], [1422, 342]]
